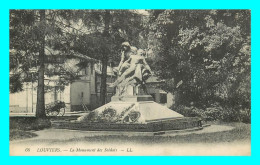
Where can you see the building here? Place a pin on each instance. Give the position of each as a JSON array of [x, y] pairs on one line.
[[159, 95], [81, 94], [86, 91]]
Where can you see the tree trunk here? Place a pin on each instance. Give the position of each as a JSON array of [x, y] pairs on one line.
[[40, 106], [103, 87]]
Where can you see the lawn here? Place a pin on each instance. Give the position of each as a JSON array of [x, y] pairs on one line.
[[22, 127], [16, 134], [240, 133]]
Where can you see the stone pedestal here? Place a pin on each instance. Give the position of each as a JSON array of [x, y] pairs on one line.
[[133, 112], [130, 90], [137, 98], [131, 109]]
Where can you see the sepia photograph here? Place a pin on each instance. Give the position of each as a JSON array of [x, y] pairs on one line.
[[129, 82]]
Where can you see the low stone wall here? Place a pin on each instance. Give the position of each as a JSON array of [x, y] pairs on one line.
[[155, 126], [175, 124]]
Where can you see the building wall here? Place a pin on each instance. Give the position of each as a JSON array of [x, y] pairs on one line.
[[92, 74], [84, 91], [86, 87], [80, 94], [22, 102], [157, 94]]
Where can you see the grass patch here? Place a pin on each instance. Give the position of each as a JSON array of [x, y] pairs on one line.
[[241, 133], [20, 134], [29, 123], [20, 127]]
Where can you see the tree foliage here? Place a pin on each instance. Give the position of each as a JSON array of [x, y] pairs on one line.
[[204, 55], [104, 31], [94, 33]]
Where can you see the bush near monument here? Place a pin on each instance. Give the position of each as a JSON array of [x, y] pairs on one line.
[[216, 113]]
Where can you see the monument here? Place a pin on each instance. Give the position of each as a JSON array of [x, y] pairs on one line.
[[132, 108]]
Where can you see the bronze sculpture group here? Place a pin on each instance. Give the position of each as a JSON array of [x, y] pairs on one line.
[[130, 109], [132, 69]]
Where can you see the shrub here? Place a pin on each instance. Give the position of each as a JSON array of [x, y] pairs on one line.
[[236, 114], [245, 115], [217, 112], [190, 111], [213, 113], [209, 114]]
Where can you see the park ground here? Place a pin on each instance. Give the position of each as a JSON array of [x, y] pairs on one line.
[[220, 138]]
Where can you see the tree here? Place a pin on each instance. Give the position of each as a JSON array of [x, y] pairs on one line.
[[40, 106], [27, 40], [31, 32], [203, 54], [103, 87], [105, 30]]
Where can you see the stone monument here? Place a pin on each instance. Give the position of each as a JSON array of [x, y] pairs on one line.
[[132, 108]]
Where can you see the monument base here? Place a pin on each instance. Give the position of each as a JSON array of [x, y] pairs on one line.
[[136, 98], [175, 124], [135, 113]]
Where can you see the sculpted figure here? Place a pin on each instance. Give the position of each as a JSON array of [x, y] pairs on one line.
[[125, 54], [125, 65], [141, 74], [137, 68]]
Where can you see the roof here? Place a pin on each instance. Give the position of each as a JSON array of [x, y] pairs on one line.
[[50, 52], [85, 57], [56, 53]]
